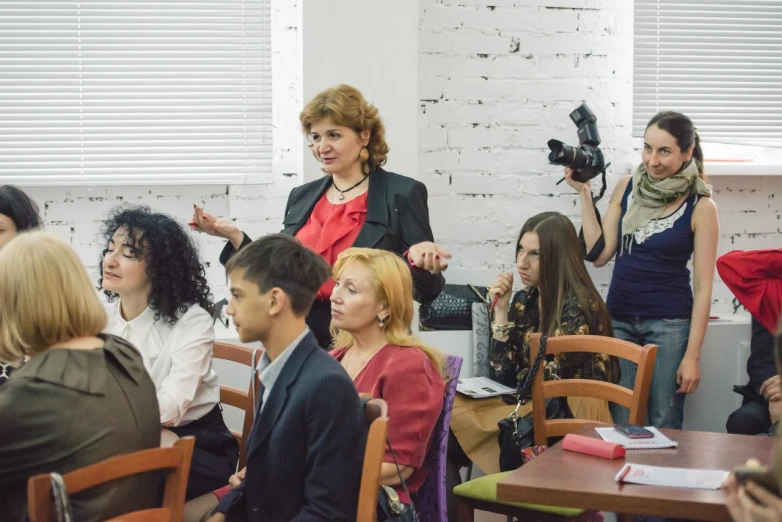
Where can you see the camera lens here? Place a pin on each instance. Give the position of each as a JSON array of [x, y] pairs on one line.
[[567, 156]]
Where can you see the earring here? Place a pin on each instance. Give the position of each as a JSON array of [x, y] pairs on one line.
[[363, 156], [381, 322]]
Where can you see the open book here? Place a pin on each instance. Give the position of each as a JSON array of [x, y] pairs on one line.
[[481, 387], [659, 441]]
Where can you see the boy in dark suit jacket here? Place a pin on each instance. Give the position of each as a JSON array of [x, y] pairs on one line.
[[305, 451]]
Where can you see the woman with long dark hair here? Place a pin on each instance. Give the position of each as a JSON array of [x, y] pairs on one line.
[[158, 299], [658, 218], [559, 298]]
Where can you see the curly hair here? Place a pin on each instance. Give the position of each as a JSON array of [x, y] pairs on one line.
[[176, 275], [345, 106]]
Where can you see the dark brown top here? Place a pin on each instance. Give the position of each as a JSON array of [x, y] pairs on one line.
[[66, 409]]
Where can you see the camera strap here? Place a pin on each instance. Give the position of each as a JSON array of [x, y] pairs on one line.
[[599, 196]]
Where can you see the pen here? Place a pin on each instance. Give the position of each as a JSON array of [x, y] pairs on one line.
[[494, 302]]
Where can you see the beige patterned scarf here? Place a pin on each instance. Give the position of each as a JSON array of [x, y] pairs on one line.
[[651, 196]]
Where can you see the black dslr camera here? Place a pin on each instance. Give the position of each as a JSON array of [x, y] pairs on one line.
[[587, 159]]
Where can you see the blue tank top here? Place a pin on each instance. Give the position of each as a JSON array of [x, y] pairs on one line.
[[651, 279]]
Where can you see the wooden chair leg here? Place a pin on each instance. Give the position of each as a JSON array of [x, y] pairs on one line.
[[464, 510]]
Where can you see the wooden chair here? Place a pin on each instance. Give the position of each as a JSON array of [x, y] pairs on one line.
[[376, 411], [636, 399], [175, 460], [481, 493], [238, 398]]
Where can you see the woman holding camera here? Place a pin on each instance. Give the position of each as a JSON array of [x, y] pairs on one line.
[[657, 219]]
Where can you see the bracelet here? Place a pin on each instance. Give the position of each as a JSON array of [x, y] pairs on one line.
[[501, 330]]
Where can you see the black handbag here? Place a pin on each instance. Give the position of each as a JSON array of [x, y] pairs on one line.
[[452, 309], [517, 433], [389, 507]]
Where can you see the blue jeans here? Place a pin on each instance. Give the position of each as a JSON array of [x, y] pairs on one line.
[[665, 407]]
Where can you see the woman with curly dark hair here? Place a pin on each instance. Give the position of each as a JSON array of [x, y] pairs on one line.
[[158, 299]]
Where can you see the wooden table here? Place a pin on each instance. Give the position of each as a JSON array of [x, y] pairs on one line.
[[568, 479]]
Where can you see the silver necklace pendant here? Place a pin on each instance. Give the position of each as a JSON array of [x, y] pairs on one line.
[[341, 196]]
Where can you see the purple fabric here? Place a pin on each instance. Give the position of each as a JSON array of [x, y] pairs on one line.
[[430, 502]]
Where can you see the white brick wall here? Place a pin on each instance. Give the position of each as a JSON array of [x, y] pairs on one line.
[[498, 79]]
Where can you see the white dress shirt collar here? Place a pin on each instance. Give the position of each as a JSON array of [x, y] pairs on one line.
[[136, 330]]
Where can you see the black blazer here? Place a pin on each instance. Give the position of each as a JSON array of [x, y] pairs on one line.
[[397, 218], [306, 448]]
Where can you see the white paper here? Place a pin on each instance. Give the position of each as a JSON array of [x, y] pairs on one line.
[[659, 441], [672, 477], [481, 387]]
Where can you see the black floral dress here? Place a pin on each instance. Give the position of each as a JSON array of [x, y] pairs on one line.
[[509, 360]]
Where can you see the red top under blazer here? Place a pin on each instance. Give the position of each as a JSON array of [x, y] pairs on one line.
[[331, 229]]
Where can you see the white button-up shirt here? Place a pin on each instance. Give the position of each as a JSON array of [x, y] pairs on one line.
[[178, 358]]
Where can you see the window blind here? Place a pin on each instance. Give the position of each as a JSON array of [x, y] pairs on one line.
[[717, 61], [135, 92]]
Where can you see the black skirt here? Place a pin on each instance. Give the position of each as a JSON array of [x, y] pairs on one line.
[[215, 454]]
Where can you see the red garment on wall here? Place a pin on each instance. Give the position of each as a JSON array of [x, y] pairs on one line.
[[755, 278], [331, 229]]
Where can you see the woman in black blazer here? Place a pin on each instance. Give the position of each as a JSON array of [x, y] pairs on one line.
[[356, 204]]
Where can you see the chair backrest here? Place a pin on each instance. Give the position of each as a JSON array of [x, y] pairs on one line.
[[175, 461], [635, 399], [376, 412], [238, 398], [431, 501]]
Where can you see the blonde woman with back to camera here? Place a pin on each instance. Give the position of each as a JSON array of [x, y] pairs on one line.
[[82, 397]]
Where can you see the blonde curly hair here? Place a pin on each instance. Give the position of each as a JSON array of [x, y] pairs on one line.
[[345, 106]]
